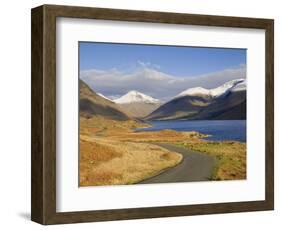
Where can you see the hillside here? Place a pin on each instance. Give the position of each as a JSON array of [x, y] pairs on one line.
[[138, 109], [92, 104], [230, 107], [177, 108]]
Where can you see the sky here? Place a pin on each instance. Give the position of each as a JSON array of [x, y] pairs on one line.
[[114, 69]]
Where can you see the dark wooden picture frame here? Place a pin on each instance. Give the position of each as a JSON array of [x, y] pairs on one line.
[[43, 205]]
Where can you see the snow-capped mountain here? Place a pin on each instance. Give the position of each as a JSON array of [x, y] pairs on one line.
[[135, 96], [137, 104], [194, 91], [240, 86], [237, 84], [226, 102]]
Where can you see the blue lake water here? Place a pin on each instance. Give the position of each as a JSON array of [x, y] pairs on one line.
[[219, 129]]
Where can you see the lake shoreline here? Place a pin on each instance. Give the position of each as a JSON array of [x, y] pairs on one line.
[[216, 130]]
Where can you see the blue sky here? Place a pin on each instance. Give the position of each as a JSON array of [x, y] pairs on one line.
[[174, 60], [158, 71]]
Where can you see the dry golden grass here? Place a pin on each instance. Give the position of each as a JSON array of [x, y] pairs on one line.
[[96, 153], [112, 153], [110, 162], [158, 136], [230, 158], [124, 131], [100, 126]]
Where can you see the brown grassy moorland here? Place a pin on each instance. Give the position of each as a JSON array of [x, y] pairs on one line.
[[106, 159], [111, 152]]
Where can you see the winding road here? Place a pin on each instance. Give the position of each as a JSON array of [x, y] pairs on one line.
[[195, 166]]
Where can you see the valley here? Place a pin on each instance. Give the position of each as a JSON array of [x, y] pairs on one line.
[[112, 152]]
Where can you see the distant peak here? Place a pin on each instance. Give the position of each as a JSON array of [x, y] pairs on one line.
[[233, 85], [226, 87], [194, 91], [133, 92], [240, 86], [135, 96]]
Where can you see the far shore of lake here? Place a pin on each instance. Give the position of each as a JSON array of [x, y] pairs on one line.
[[215, 130]]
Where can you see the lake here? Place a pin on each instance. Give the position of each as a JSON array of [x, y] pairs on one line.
[[218, 129]]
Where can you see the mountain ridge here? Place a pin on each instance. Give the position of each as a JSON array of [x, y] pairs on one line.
[[215, 92], [199, 103]]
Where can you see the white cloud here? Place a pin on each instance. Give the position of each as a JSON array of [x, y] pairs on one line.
[[153, 82], [143, 64], [148, 65]]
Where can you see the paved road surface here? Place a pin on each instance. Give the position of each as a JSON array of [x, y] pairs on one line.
[[195, 166]]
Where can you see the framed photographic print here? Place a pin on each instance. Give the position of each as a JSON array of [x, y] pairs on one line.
[[141, 114]]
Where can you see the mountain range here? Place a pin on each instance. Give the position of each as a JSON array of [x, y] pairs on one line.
[[226, 102]]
